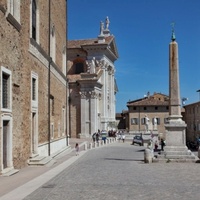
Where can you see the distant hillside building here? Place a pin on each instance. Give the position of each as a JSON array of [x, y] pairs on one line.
[[154, 108], [92, 85]]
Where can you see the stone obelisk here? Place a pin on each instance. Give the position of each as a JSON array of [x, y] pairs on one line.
[[175, 148]]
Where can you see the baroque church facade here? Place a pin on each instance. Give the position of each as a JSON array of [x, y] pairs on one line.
[[32, 81], [92, 84]]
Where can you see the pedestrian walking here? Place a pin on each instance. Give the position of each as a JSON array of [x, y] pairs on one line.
[[156, 145], [162, 144], [97, 136], [94, 137], [77, 149]]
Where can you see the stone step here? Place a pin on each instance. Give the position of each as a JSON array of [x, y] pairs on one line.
[[40, 160], [10, 172], [37, 158], [178, 153], [180, 157], [174, 160]]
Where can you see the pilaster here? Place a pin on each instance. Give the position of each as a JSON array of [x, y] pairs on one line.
[[93, 112]]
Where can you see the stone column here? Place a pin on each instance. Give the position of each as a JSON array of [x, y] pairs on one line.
[[104, 98], [174, 87], [175, 135]]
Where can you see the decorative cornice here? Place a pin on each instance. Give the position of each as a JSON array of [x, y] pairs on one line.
[[89, 94]]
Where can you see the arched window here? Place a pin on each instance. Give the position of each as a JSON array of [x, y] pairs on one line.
[[79, 66], [34, 17]]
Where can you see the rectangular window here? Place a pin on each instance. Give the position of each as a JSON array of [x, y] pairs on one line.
[[58, 129], [14, 9], [52, 104], [63, 121], [52, 131], [6, 91], [33, 89], [158, 121], [145, 108], [134, 121], [156, 107], [143, 121], [34, 19]]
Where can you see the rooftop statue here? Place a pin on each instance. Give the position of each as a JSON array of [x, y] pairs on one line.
[[101, 28], [107, 23]]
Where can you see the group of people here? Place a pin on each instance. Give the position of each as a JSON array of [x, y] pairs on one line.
[[162, 144], [95, 136]]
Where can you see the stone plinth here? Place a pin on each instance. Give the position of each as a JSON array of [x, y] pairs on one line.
[[175, 149]]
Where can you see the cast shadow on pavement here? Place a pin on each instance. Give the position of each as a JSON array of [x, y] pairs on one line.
[[120, 159]]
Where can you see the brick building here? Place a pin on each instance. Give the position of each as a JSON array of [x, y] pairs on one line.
[[92, 85], [33, 80], [154, 107], [192, 119]]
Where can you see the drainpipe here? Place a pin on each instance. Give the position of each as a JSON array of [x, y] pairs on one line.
[[67, 90], [139, 119], [49, 82]]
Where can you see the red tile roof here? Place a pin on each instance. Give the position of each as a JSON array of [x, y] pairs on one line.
[[148, 102], [79, 43]]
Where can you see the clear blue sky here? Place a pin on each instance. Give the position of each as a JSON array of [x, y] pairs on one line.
[[143, 32]]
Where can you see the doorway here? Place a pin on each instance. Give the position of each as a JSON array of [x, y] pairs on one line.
[[6, 134], [34, 143]]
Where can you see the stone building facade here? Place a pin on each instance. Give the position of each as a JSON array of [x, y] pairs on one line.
[[33, 80], [192, 119], [92, 85], [152, 108]]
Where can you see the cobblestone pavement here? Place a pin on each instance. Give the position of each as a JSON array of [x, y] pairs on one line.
[[26, 174], [117, 172]]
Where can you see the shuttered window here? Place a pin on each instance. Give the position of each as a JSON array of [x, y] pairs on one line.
[[5, 92], [34, 19], [134, 121]]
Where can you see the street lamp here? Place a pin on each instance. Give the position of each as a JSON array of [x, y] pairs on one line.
[[184, 100]]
